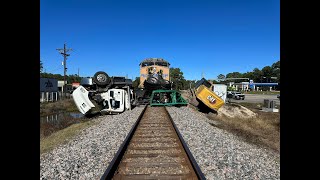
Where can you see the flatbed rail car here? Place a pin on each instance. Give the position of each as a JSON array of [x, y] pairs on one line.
[[167, 98]]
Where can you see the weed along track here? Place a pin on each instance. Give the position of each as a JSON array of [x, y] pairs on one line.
[[153, 149]]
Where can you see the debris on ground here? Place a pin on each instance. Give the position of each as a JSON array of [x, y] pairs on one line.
[[235, 110]]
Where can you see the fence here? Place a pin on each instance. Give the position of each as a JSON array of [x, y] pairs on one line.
[[53, 96]]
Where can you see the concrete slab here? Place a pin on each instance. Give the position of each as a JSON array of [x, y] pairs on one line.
[[270, 109]]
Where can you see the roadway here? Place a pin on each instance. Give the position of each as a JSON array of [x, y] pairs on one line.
[[258, 98]]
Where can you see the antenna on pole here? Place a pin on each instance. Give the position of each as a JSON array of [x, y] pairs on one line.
[[63, 52]]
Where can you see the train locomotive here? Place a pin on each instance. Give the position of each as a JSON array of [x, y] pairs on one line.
[[154, 75]]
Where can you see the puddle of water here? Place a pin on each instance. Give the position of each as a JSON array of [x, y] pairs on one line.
[[56, 118], [76, 115], [52, 123]]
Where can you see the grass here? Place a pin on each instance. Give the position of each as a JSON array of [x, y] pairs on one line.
[[262, 92], [262, 131], [65, 105], [52, 135], [62, 136]]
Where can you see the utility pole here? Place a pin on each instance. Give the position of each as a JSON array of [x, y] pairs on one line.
[[78, 72], [64, 54]]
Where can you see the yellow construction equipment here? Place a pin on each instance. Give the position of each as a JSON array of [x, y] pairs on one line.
[[209, 98], [203, 92]]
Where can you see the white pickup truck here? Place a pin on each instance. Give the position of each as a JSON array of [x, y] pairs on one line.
[[235, 95]]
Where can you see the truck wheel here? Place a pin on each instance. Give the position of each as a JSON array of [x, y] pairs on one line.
[[101, 78]]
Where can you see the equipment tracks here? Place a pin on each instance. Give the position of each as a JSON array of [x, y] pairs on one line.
[[153, 149]]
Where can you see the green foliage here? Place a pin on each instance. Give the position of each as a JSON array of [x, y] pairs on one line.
[[41, 66], [221, 76], [230, 88], [276, 70], [216, 82], [257, 74], [234, 75], [267, 74], [136, 83], [176, 76], [73, 78], [70, 78], [190, 83]]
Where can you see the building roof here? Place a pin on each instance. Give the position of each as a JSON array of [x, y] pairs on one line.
[[148, 60]]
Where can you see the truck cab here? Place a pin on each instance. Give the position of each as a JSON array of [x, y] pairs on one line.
[[113, 95], [115, 101]]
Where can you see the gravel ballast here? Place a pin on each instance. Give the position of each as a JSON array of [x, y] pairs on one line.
[[220, 154], [88, 154]]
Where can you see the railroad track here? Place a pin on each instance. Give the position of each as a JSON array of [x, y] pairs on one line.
[[153, 149]]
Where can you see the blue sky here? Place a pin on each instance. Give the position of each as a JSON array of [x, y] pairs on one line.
[[198, 36]]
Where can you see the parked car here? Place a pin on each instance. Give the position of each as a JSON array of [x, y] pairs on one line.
[[235, 95], [229, 94], [238, 95]]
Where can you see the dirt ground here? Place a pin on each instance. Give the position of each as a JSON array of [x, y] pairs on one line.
[[247, 121]]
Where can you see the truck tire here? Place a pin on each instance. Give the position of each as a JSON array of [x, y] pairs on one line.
[[101, 78]]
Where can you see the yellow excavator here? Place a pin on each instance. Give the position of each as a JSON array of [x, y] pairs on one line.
[[202, 93]]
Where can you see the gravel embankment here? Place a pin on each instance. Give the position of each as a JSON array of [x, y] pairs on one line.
[[222, 155], [88, 154]]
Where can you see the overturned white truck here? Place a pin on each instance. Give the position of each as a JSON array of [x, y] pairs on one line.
[[113, 95]]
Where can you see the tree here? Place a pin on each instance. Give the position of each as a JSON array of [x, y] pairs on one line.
[[49, 75], [267, 73], [276, 70], [248, 75], [177, 78], [41, 66], [257, 74], [70, 78], [190, 83], [235, 75], [276, 65], [136, 82], [221, 76], [73, 78]]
